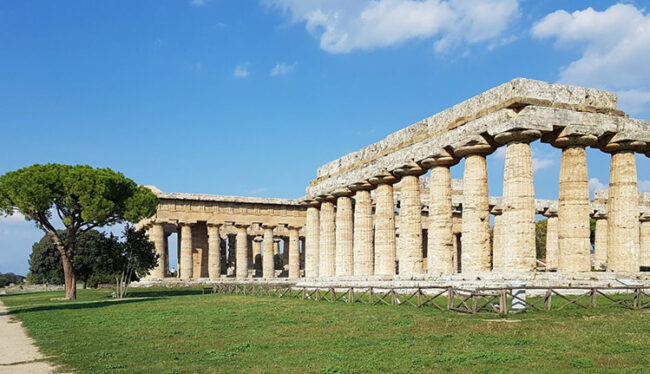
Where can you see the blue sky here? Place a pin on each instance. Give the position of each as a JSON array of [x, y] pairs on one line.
[[250, 98]]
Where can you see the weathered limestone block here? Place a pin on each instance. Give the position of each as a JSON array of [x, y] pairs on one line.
[[327, 239], [385, 245], [344, 233], [552, 245], [623, 214], [519, 253], [294, 253], [600, 242], [214, 255], [363, 261], [186, 265], [157, 236], [440, 244], [573, 210], [312, 240], [410, 214], [475, 239], [498, 262], [268, 271], [242, 252]]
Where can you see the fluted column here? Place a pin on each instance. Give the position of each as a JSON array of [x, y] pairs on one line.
[[573, 205], [644, 239], [232, 250], [157, 236], [622, 212], [312, 240], [440, 244], [385, 246], [214, 253], [268, 270], [241, 262], [410, 256], [285, 252], [363, 231], [257, 254], [498, 262], [519, 252], [552, 245], [294, 253], [600, 242], [186, 267], [344, 233], [327, 246], [475, 239]]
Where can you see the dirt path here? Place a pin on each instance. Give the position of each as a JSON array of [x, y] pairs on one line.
[[18, 354]]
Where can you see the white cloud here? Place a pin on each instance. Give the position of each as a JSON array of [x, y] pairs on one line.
[[541, 163], [595, 184], [198, 3], [282, 68], [343, 26], [14, 218], [241, 72], [614, 46], [644, 186]]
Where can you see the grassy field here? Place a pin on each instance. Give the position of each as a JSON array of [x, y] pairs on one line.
[[182, 331]]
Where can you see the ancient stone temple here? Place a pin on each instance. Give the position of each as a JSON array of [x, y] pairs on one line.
[[392, 211]]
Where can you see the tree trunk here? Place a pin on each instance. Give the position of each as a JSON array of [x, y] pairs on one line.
[[85, 284], [70, 279]]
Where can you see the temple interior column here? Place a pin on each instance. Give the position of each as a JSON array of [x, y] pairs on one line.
[[498, 262], [327, 238], [232, 252], [214, 253], [440, 243], [622, 211], [312, 241], [157, 236], [410, 256], [644, 240], [475, 237], [519, 254], [285, 252], [179, 241], [186, 266], [257, 254], [166, 254], [552, 245], [294, 253], [573, 206], [241, 263], [344, 233], [363, 256], [385, 245], [600, 242], [268, 269]]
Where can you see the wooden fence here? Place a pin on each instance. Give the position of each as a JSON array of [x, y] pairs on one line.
[[484, 300]]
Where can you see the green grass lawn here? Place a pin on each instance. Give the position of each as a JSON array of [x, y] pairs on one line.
[[183, 331]]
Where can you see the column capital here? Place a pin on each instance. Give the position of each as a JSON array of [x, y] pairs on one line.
[[573, 136], [294, 228], [441, 157], [214, 224], [496, 210], [599, 214], [644, 216], [621, 142], [258, 238], [383, 178], [268, 227], [473, 145], [412, 168], [361, 186], [241, 226], [342, 192], [310, 203], [550, 212], [517, 136], [326, 198]]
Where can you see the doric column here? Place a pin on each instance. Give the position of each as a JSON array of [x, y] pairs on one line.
[[214, 254], [232, 250], [573, 205], [622, 207], [644, 239], [600, 241], [276, 246], [363, 261], [498, 262], [268, 270], [294, 253], [257, 254], [179, 240], [440, 244], [385, 246], [552, 245], [344, 232], [157, 236], [327, 236], [410, 256], [186, 267], [519, 252], [285, 251], [241, 262], [166, 254], [475, 239], [312, 241]]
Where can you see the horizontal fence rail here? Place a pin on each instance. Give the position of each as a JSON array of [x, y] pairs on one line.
[[501, 300]]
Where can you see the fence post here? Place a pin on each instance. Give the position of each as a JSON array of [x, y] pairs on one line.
[[450, 298], [419, 297], [592, 302], [371, 296], [547, 299], [503, 302], [351, 295], [637, 298]]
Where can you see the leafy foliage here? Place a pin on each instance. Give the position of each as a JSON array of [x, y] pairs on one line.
[[137, 256], [9, 278]]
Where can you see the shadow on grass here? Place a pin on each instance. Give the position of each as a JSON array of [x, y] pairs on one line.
[[157, 293], [78, 305]]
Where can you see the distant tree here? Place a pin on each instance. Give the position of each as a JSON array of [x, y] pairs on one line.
[[81, 196], [94, 255], [9, 278], [137, 257], [540, 238]]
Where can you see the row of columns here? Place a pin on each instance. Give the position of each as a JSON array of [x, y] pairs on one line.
[[338, 236]]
